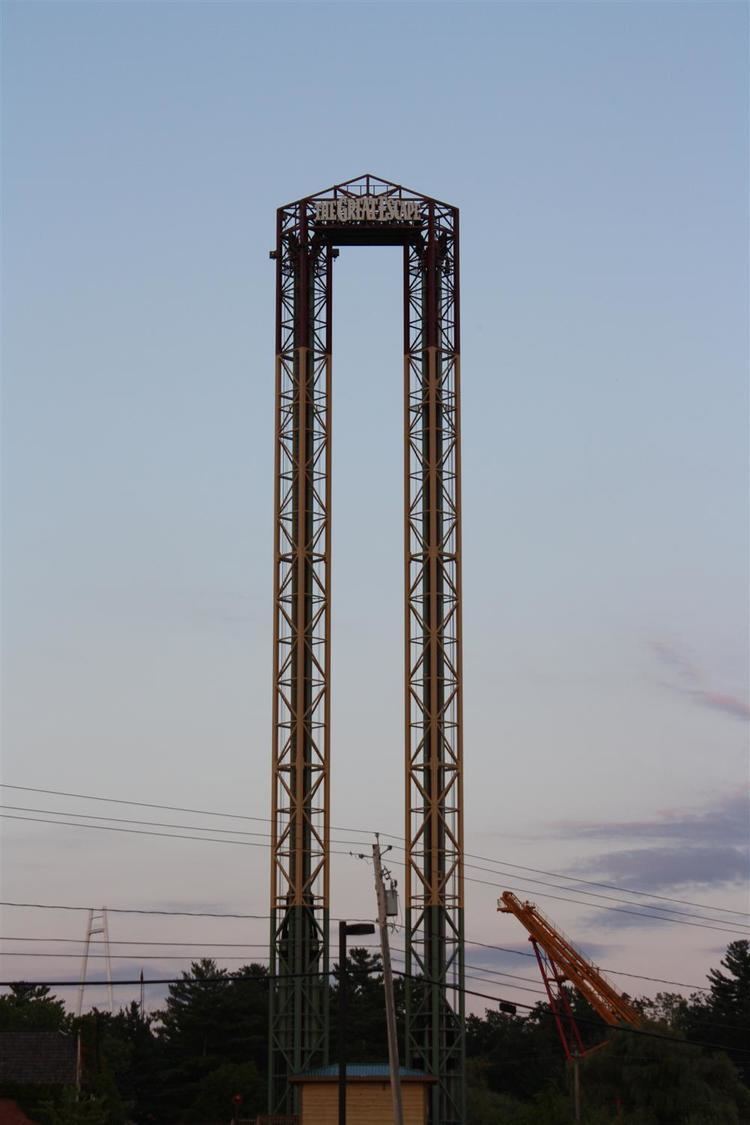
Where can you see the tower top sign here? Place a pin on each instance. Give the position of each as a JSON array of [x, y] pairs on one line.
[[367, 211], [381, 208]]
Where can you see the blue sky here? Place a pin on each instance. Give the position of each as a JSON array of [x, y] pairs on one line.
[[599, 155]]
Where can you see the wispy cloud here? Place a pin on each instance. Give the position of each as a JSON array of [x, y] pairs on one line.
[[697, 847], [728, 704], [653, 868], [724, 821], [687, 678]]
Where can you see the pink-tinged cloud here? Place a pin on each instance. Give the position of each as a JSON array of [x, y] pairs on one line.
[[705, 846], [729, 704], [688, 680]]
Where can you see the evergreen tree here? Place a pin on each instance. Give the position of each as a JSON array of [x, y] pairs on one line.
[[730, 992], [31, 1007], [367, 1035], [212, 1019], [723, 1016], [122, 1062]]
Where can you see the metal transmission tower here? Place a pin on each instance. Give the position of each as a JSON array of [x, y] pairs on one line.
[[96, 924], [361, 212]]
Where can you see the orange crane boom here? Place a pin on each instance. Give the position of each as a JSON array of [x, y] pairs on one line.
[[559, 961]]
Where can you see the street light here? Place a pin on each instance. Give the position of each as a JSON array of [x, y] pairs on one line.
[[346, 929]]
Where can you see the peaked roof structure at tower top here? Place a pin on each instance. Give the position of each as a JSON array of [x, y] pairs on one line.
[[367, 184]]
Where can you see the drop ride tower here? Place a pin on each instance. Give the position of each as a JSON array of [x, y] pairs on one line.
[[363, 212]]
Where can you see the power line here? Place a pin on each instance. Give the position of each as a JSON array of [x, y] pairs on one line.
[[188, 944], [398, 972], [660, 917], [617, 909], [129, 820], [160, 913], [615, 972], [170, 808], [610, 898], [542, 992], [482, 969], [234, 978], [517, 987], [582, 1019], [469, 976], [499, 948], [363, 831], [224, 978], [134, 956], [500, 973], [484, 882], [605, 886], [227, 979], [205, 946], [162, 835], [266, 917], [139, 910], [148, 823], [224, 957], [135, 831], [334, 973]]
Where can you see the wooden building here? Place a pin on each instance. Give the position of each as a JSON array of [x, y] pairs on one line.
[[368, 1096]]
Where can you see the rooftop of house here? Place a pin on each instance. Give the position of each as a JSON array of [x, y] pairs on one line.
[[361, 1072], [37, 1058]]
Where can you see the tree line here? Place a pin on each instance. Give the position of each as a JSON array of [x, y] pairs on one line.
[[183, 1064]]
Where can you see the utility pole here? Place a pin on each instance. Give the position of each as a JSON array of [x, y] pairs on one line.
[[386, 908], [576, 1087], [79, 1061]]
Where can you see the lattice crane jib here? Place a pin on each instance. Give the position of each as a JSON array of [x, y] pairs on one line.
[[559, 963], [368, 211]]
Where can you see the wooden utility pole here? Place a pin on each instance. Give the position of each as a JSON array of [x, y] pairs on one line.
[[576, 1087], [390, 1006]]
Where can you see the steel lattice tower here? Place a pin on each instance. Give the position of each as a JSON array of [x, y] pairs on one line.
[[368, 211]]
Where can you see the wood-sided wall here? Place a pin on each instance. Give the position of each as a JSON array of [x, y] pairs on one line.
[[367, 1103]]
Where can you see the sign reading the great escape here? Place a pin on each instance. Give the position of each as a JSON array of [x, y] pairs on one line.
[[368, 209]]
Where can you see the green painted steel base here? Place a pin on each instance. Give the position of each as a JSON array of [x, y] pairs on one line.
[[435, 1028], [298, 1002]]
